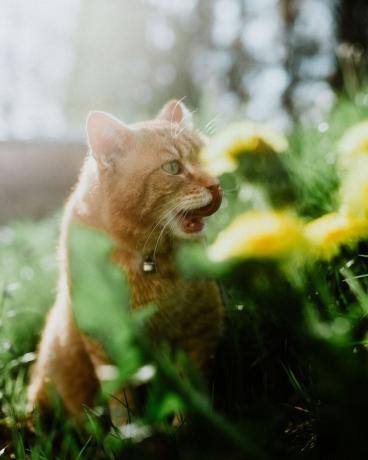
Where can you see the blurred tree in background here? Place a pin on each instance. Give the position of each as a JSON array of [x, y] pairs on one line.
[[267, 60], [353, 22]]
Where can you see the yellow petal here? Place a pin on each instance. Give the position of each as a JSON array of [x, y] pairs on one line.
[[354, 189], [330, 232], [225, 148], [354, 142], [258, 234]]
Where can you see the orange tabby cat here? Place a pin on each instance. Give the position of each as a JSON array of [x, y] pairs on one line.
[[143, 185]]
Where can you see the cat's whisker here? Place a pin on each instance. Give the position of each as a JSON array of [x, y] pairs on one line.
[[212, 131], [166, 214], [182, 124], [185, 118], [172, 115], [180, 131], [159, 237], [210, 127], [236, 187], [161, 234], [181, 219], [162, 218]]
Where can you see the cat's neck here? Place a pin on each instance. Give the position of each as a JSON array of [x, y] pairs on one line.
[[143, 262], [133, 246], [85, 205]]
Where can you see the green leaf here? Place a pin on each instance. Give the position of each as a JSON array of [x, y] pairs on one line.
[[101, 298], [171, 404]]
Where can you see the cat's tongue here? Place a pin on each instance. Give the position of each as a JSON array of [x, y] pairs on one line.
[[192, 221], [192, 224]]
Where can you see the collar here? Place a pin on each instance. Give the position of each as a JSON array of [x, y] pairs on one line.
[[149, 265]]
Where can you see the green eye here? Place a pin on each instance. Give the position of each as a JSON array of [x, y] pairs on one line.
[[172, 167]]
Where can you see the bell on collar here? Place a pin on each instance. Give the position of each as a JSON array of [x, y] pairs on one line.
[[149, 266]]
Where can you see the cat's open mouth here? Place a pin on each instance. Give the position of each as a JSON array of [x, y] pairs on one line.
[[192, 220]]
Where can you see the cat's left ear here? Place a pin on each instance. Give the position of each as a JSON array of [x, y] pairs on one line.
[[175, 111]]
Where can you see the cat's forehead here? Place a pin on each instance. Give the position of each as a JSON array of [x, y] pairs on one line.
[[172, 137]]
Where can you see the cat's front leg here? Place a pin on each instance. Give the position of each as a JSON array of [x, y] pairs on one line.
[[63, 367]]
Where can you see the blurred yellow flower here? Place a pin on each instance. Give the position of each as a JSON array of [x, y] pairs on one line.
[[354, 189], [257, 234], [225, 148], [328, 233], [354, 142]]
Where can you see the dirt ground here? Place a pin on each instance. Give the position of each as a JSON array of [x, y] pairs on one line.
[[36, 177]]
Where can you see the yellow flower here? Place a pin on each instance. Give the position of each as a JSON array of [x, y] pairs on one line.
[[354, 189], [222, 153], [257, 234], [354, 142], [328, 233]]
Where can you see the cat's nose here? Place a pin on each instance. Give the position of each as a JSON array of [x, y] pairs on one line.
[[216, 192], [214, 204], [215, 189]]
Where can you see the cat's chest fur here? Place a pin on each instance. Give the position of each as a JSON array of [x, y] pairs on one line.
[[189, 313]]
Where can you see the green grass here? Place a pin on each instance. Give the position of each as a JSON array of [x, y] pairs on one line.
[[27, 283], [290, 376]]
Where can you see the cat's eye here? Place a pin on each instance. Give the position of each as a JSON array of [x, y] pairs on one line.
[[173, 167]]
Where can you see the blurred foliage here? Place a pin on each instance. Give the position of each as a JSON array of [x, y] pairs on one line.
[[290, 374], [27, 281], [266, 60], [98, 293]]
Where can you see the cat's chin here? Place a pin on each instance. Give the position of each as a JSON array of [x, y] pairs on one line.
[[188, 230]]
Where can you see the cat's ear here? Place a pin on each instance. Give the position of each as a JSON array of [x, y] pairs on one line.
[[107, 136], [175, 112]]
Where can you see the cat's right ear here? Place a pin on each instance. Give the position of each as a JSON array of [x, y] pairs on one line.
[[107, 137]]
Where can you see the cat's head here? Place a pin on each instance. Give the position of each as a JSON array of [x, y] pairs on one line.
[[149, 174]]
